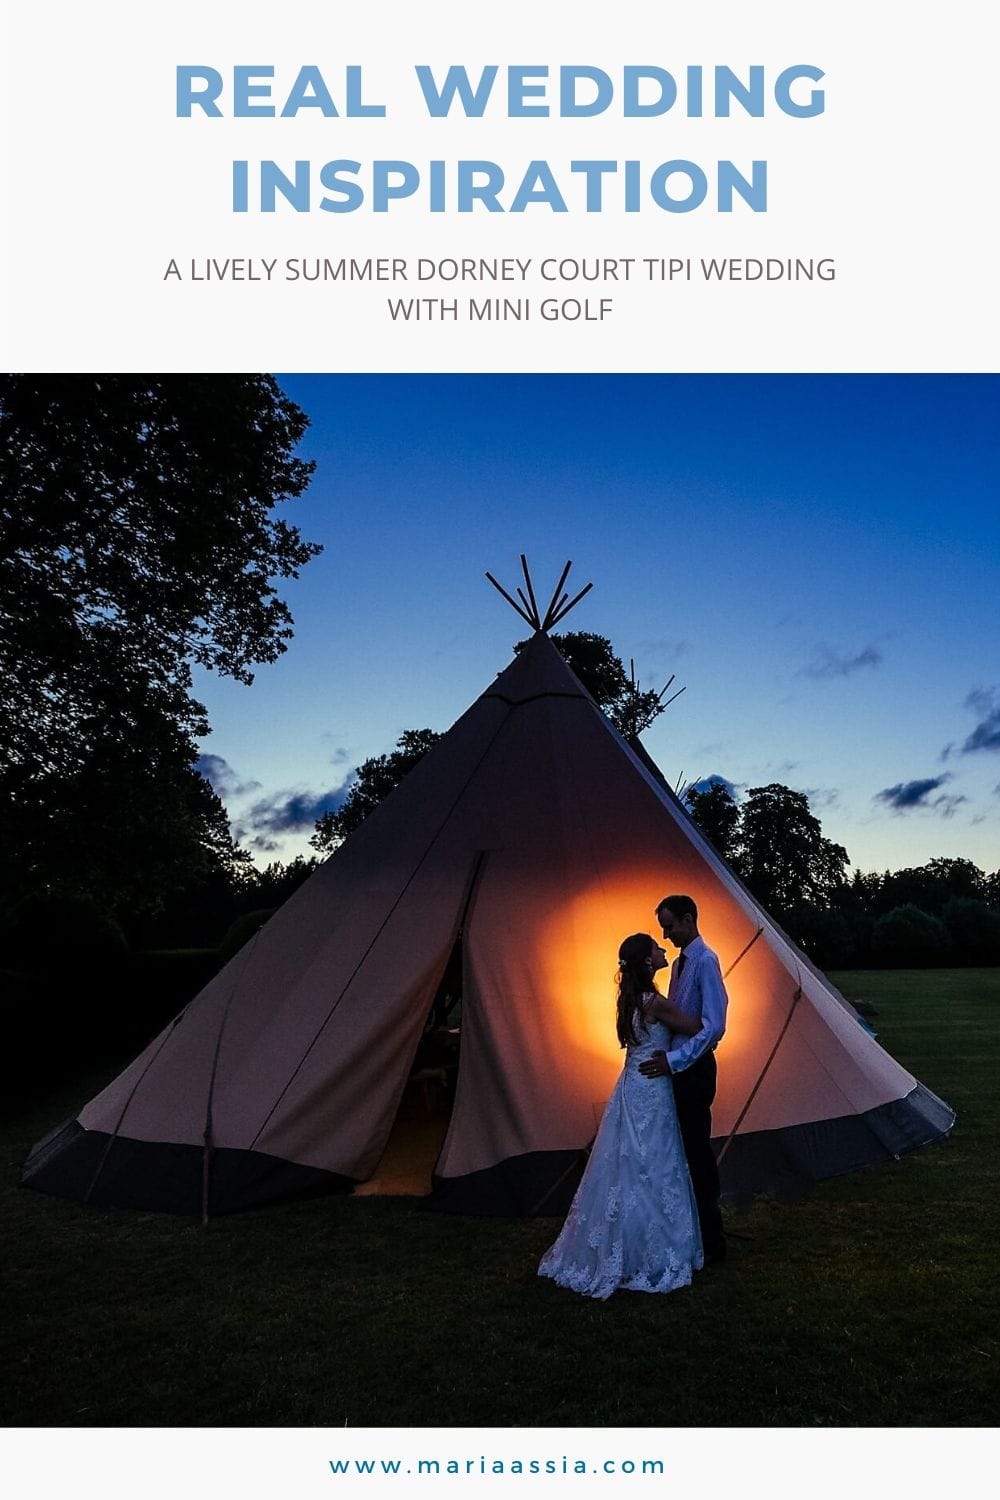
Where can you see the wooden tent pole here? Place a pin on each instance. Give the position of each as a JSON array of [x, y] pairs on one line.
[[512, 602], [558, 607], [531, 592], [572, 603], [547, 620]]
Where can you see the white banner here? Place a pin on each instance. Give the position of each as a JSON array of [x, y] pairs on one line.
[[319, 187], [332, 1464]]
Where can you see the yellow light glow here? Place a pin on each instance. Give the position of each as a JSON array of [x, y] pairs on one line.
[[577, 956]]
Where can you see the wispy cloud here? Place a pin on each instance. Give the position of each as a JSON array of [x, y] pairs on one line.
[[661, 649], [260, 842], [822, 796], [290, 812], [828, 663], [986, 735], [779, 768], [925, 794], [222, 778]]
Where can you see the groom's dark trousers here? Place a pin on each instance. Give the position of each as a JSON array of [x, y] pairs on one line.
[[694, 1090]]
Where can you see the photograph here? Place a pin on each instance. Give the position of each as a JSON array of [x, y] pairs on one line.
[[481, 849]]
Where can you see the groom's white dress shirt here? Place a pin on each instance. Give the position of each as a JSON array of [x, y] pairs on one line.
[[696, 988]]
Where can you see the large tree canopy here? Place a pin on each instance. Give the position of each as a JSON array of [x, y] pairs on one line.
[[782, 853], [775, 843], [932, 886], [717, 814], [136, 538]]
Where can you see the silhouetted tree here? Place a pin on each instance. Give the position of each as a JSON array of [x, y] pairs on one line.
[[717, 815], [782, 854], [907, 937], [825, 935], [374, 780], [593, 659], [136, 539], [930, 886], [276, 882], [974, 930], [959, 877], [861, 892], [857, 901]]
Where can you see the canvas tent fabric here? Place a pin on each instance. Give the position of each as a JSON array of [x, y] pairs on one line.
[[538, 834]]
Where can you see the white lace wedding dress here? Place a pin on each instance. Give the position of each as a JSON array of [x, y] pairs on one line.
[[633, 1224]]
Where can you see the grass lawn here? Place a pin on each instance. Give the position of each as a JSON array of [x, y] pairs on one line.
[[871, 1303]]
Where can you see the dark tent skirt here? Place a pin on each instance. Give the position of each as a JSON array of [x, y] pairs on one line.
[[118, 1172]]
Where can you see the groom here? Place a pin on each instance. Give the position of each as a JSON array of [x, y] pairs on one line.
[[696, 987]]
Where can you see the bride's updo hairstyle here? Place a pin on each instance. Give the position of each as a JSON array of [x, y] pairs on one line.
[[635, 981]]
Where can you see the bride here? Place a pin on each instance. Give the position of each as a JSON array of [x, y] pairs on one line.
[[633, 1224]]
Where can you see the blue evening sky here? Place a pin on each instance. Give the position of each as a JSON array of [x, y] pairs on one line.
[[815, 557]]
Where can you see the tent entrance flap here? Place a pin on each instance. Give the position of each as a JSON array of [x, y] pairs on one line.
[[406, 1166]]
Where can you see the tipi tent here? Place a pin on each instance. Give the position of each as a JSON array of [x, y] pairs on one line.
[[537, 836]]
